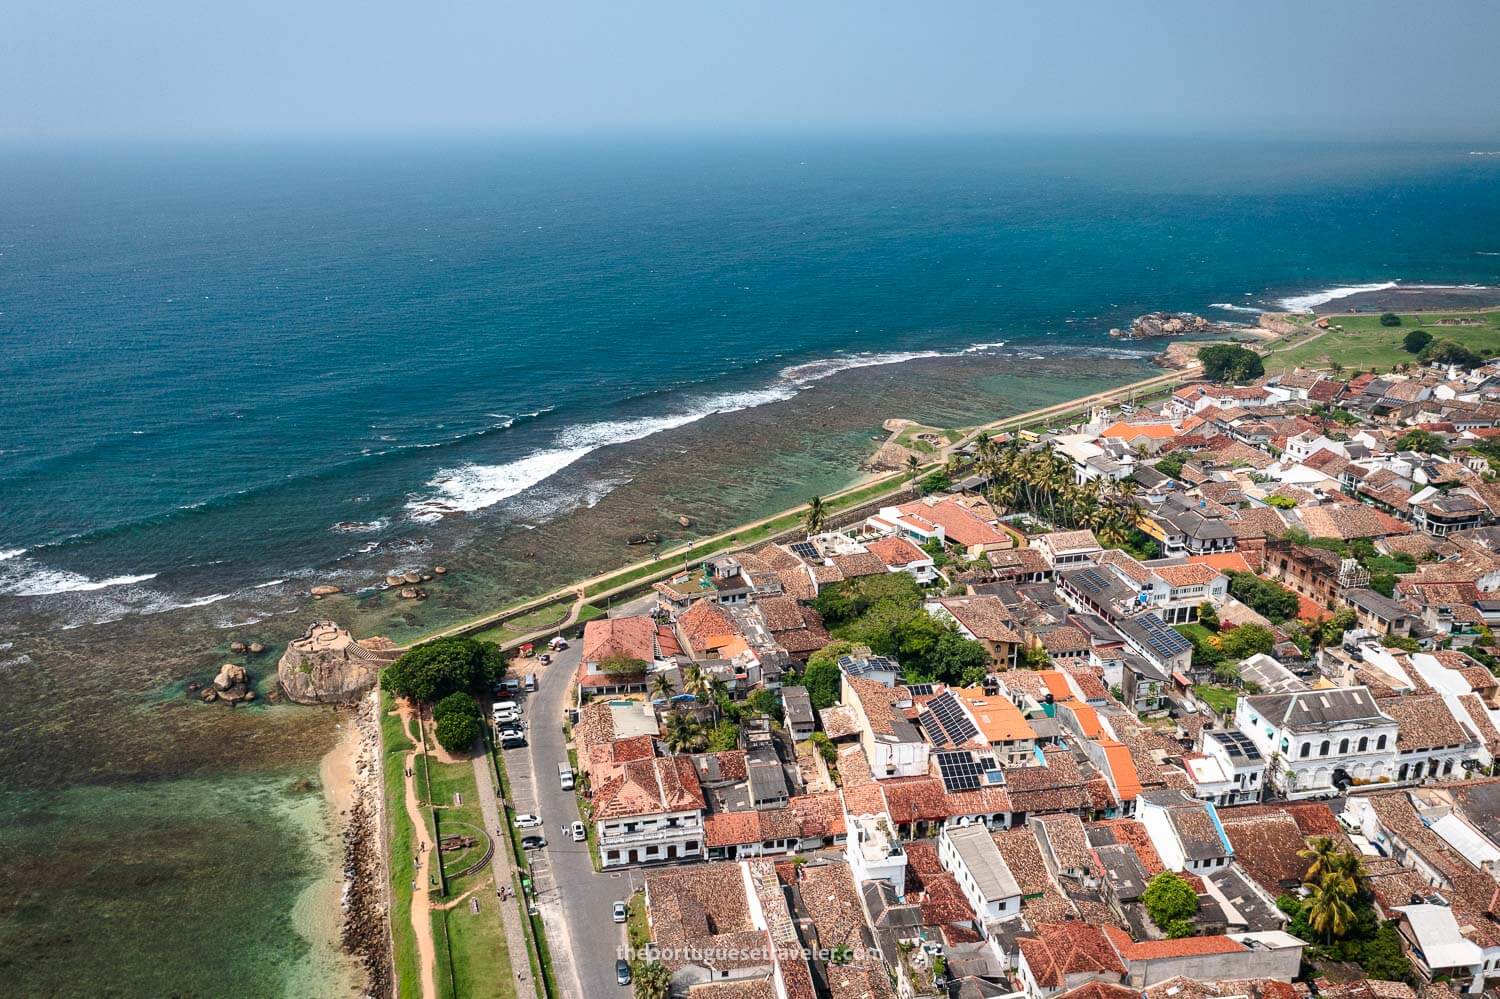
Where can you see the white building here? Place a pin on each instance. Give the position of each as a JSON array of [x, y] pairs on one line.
[[874, 853], [1311, 738], [892, 744], [1239, 759], [970, 855], [1185, 831]]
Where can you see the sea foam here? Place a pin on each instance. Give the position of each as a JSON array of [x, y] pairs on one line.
[[1303, 303]]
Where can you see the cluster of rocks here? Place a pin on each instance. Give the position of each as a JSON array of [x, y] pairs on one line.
[[240, 648], [363, 935], [231, 685], [1161, 324], [408, 581]]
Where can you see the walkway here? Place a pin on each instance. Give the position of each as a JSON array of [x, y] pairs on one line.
[[421, 902], [510, 910]]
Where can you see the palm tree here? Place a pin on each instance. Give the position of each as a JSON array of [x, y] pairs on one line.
[[693, 681], [652, 980], [815, 515], [913, 463], [1322, 854], [682, 732], [1328, 909], [661, 686]]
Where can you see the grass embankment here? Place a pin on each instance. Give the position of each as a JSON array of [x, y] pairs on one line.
[[538, 953], [1221, 699], [477, 963], [400, 850], [546, 616], [1363, 343]]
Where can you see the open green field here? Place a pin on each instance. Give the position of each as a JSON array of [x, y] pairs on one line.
[[1363, 343], [1221, 699], [543, 617]]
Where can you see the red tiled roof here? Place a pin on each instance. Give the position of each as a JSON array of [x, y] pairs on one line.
[[1062, 949], [1152, 950]]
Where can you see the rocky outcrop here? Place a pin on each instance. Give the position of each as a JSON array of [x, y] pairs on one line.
[[1277, 322], [231, 685], [327, 666], [1162, 324]]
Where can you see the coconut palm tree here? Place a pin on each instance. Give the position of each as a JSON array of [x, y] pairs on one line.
[[815, 515], [913, 463], [1328, 908], [682, 732], [1322, 856], [661, 686], [694, 682]]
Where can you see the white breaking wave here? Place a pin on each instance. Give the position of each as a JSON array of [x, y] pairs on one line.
[[212, 598], [1231, 307], [471, 487], [10, 553], [1304, 303], [361, 527], [29, 579]]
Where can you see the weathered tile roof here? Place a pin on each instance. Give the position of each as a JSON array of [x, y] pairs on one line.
[[1062, 949], [1266, 846], [1063, 835], [1155, 950], [1424, 722], [630, 637], [648, 787], [984, 616]]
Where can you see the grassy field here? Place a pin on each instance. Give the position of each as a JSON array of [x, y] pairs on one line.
[[401, 850], [1363, 343], [543, 617], [1221, 699]]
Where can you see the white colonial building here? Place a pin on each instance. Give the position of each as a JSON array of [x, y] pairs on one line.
[[1312, 739]]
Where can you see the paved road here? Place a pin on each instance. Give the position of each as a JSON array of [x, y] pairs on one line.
[[576, 903]]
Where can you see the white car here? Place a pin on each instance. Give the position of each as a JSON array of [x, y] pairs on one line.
[[622, 913], [578, 832], [528, 821]]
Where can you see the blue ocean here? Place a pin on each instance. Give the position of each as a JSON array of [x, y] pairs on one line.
[[246, 356]]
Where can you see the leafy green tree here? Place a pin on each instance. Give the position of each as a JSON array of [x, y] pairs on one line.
[[959, 661], [1239, 644], [765, 702], [1389, 319], [1170, 899], [621, 665], [822, 678], [1172, 464], [1424, 441], [1227, 362], [438, 668], [1416, 341], [456, 704], [1381, 957], [1331, 629], [456, 734], [1208, 616], [723, 736], [1265, 597], [844, 601], [1447, 351]]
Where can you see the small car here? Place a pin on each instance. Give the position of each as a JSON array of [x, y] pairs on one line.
[[621, 912], [533, 842], [578, 832], [528, 821], [622, 972]]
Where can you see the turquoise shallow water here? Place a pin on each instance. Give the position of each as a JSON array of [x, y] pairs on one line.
[[231, 372]]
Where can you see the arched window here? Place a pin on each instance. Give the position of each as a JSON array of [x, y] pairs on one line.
[[1447, 767], [1306, 747], [1343, 746], [1324, 750], [1401, 775], [1364, 743], [1380, 742]]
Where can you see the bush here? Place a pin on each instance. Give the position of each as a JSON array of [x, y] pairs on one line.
[[1416, 341], [1269, 599], [460, 704], [436, 669], [456, 732], [1227, 362], [1389, 319], [1170, 900], [1239, 644], [723, 736], [822, 677]]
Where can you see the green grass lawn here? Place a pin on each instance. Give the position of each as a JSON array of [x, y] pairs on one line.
[[401, 850], [1221, 699], [545, 616], [476, 945], [1363, 343]]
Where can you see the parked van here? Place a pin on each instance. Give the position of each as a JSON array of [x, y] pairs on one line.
[[506, 711], [565, 776], [530, 684]]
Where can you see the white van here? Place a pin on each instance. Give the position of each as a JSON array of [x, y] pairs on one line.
[[565, 776], [506, 711], [530, 684]]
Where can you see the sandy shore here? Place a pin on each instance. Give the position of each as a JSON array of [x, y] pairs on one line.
[[349, 914]]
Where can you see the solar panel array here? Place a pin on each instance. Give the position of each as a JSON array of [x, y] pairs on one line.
[[946, 715], [919, 689], [1093, 580], [864, 666], [959, 771], [1162, 639], [1238, 743], [805, 550]]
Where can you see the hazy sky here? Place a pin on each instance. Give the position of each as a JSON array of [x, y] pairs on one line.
[[247, 67]]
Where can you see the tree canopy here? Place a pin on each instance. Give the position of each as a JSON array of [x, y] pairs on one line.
[[822, 677], [1389, 319], [457, 721], [885, 612], [1450, 352], [1227, 362], [1416, 341], [1424, 441], [435, 669], [1263, 596], [1171, 903], [1239, 644]]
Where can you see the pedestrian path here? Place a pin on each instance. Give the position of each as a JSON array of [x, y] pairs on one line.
[[504, 870]]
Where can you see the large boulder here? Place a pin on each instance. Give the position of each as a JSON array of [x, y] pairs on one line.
[[230, 675], [327, 666]]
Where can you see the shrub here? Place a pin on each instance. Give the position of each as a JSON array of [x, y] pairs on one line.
[[1170, 900], [1389, 319], [457, 732]]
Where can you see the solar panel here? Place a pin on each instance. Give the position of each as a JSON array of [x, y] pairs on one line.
[[959, 771], [947, 716], [804, 549], [921, 689], [1163, 639], [865, 665], [1092, 579]]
